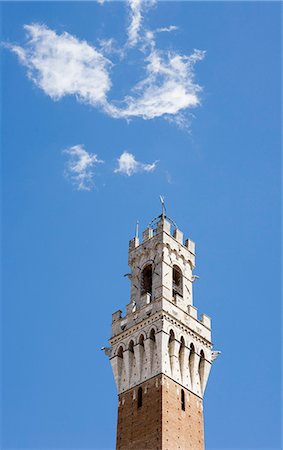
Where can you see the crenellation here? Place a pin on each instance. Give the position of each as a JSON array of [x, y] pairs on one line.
[[116, 315], [206, 321], [193, 311], [133, 243], [163, 226], [178, 235], [147, 234], [190, 246]]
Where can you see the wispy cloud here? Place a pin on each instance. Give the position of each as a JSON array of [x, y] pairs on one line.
[[166, 29], [63, 65], [79, 168], [110, 47], [128, 165], [167, 89], [136, 8]]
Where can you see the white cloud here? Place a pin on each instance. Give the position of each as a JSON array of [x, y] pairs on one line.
[[63, 65], [80, 167], [136, 7], [110, 47], [128, 165], [167, 89], [166, 29]]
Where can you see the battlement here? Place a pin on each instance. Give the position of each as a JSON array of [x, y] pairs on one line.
[[163, 226], [122, 323]]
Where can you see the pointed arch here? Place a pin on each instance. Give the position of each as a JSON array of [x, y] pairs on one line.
[[182, 356], [131, 346], [191, 363], [141, 340], [171, 340], [171, 343], [201, 369], [120, 352], [152, 334]]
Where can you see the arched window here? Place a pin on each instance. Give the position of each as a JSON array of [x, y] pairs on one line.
[[183, 404], [131, 346], [146, 280], [177, 286], [139, 397]]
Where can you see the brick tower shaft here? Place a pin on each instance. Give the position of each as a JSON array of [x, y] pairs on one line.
[[161, 422]]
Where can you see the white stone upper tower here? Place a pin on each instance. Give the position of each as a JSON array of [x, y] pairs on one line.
[[161, 332]]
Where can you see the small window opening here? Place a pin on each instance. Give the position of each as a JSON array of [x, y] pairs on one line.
[[146, 280], [183, 404], [139, 397], [177, 287]]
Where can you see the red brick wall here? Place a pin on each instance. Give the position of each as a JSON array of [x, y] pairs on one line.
[[160, 424]]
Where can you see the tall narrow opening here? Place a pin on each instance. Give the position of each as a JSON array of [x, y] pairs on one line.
[[182, 356], [177, 285], [171, 342], [183, 404], [141, 340], [201, 369], [120, 363], [146, 280], [139, 397], [131, 361], [191, 363], [120, 352], [152, 335]]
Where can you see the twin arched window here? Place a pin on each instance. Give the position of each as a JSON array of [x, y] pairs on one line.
[[146, 281]]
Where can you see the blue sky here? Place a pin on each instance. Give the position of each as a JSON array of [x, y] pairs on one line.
[[176, 98]]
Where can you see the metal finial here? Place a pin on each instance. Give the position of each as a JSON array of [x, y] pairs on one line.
[[137, 229], [163, 205], [162, 215]]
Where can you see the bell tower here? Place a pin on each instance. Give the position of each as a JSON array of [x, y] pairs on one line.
[[160, 352]]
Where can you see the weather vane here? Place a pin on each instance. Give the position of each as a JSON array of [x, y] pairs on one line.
[[163, 205], [163, 215]]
